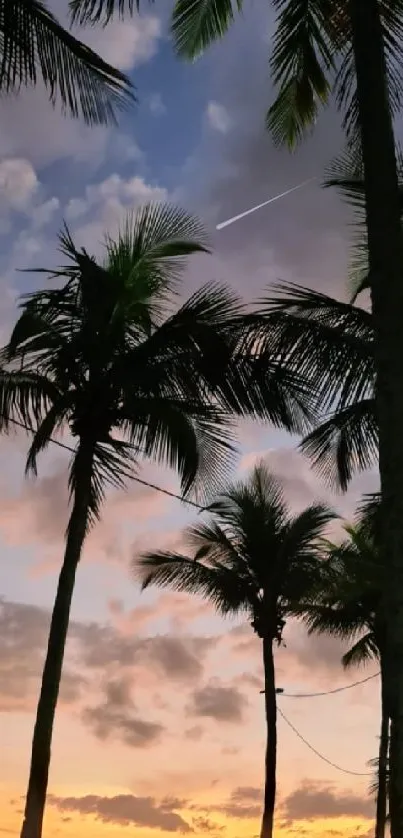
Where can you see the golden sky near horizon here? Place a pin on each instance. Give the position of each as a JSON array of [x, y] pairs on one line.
[[160, 726]]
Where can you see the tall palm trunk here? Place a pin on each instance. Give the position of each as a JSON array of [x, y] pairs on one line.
[[42, 738], [386, 277], [271, 745], [382, 793]]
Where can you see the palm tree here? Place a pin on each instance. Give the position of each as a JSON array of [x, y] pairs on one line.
[[131, 380], [253, 558], [350, 48], [350, 607], [35, 46]]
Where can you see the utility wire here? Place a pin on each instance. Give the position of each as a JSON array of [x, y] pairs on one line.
[[328, 692], [318, 754], [331, 692], [136, 479]]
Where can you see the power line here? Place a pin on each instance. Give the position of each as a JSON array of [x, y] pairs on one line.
[[318, 754], [136, 479], [327, 692], [331, 692]]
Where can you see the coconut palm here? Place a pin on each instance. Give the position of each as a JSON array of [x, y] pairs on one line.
[[350, 607], [131, 378], [35, 47], [352, 49], [253, 558]]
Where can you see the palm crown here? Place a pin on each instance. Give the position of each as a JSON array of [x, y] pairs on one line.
[[114, 365], [253, 557], [132, 379]]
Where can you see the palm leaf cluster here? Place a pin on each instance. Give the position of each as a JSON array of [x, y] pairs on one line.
[[34, 46], [119, 374], [251, 549], [331, 344]]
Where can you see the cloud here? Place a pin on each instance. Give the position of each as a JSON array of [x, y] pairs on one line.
[[176, 658], [42, 214], [244, 802], [125, 44], [23, 639], [109, 203], [126, 810], [116, 716], [246, 793], [18, 183], [99, 658], [214, 701], [218, 117], [317, 800], [156, 105], [42, 504]]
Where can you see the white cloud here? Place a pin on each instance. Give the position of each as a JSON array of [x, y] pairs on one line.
[[218, 117], [108, 203], [18, 183], [43, 213], [51, 136], [125, 44], [156, 104]]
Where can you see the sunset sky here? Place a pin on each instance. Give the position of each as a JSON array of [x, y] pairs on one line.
[[160, 726]]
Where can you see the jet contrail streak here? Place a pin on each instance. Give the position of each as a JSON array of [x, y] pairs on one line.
[[265, 203]]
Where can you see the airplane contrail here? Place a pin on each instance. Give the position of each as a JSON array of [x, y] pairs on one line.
[[265, 203]]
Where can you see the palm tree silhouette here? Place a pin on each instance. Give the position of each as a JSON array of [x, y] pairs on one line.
[[130, 380], [252, 558]]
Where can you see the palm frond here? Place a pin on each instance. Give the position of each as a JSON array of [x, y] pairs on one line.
[[346, 173], [362, 652], [153, 245], [217, 584], [304, 533], [53, 421], [344, 444], [113, 465], [391, 15], [301, 63], [190, 436], [24, 397], [198, 23], [96, 11], [34, 45], [327, 342]]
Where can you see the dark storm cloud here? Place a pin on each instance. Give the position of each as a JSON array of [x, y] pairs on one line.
[[315, 800], [126, 810], [214, 701]]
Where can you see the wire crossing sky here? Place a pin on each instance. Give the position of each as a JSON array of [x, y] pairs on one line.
[[264, 204]]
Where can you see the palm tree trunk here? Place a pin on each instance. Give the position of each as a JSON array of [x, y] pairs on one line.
[[382, 794], [271, 746], [42, 738], [385, 248]]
